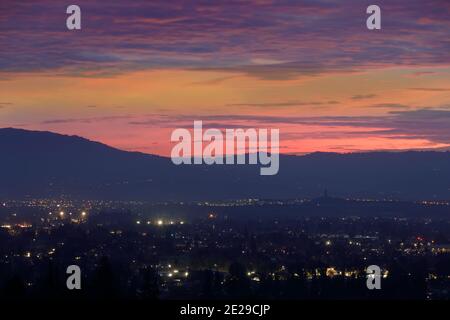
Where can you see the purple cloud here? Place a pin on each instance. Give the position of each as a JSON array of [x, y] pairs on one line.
[[428, 124], [295, 38]]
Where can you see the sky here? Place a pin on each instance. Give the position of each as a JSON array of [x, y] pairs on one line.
[[137, 70]]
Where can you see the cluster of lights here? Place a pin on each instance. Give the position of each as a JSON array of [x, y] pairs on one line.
[[160, 222], [176, 272], [62, 213]]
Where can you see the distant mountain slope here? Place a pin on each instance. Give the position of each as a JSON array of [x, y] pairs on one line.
[[44, 164]]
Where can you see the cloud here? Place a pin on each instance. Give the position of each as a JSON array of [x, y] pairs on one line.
[[214, 81], [389, 106], [427, 124], [431, 89], [422, 73], [85, 120], [363, 96], [5, 104], [264, 39], [282, 104]]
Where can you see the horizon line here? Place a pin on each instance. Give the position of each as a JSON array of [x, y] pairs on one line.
[[437, 150]]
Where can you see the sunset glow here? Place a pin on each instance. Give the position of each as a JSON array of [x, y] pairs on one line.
[[151, 71]]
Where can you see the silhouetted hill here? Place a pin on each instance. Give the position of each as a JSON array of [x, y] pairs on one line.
[[44, 164]]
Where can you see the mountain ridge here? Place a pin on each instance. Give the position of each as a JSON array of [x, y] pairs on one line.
[[47, 164]]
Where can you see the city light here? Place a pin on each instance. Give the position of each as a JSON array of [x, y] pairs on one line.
[[196, 235], [331, 272]]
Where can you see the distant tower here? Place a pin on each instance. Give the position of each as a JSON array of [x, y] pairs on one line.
[[325, 193]]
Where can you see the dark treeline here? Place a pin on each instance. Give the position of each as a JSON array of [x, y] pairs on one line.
[[112, 281]]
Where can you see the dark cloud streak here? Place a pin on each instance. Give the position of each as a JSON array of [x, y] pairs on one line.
[[307, 38]]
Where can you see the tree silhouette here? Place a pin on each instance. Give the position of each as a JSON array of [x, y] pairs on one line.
[[238, 283], [149, 289], [103, 284], [14, 288]]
